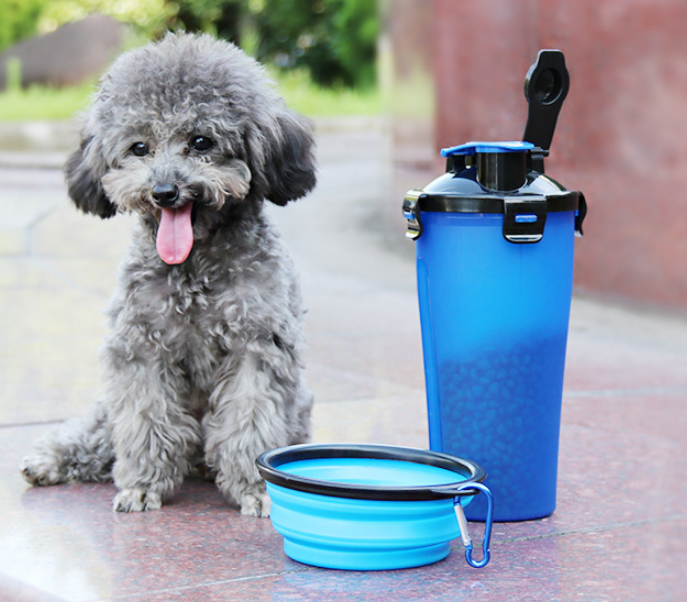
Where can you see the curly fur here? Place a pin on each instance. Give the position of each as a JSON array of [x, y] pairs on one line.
[[204, 357]]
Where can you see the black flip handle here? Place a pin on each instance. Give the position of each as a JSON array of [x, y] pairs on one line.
[[546, 86]]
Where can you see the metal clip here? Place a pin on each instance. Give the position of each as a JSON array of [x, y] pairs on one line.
[[411, 211], [463, 524], [524, 217]]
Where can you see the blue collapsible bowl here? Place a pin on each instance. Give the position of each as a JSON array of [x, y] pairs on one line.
[[370, 507]]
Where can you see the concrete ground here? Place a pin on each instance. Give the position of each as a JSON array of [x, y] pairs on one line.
[[620, 529]]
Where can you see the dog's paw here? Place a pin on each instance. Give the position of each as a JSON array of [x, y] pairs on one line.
[[136, 500], [256, 505], [41, 470]]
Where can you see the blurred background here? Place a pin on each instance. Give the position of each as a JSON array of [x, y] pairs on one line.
[[429, 74]]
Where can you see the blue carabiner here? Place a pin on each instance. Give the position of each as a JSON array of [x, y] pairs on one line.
[[487, 525]]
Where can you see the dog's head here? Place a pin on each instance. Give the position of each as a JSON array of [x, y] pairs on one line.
[[185, 127]]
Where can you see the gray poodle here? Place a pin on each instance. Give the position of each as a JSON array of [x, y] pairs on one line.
[[204, 360]]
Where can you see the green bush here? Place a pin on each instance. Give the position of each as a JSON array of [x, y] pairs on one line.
[[333, 40], [19, 20], [149, 17]]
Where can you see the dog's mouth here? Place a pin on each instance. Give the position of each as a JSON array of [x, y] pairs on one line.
[[174, 239]]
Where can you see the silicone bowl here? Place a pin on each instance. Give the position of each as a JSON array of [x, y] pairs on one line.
[[369, 507]]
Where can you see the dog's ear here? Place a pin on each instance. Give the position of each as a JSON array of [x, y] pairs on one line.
[[84, 170], [281, 158]]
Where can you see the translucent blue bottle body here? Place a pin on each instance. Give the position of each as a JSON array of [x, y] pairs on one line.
[[494, 321]]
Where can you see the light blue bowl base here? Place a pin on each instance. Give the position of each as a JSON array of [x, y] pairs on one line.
[[356, 534], [369, 560]]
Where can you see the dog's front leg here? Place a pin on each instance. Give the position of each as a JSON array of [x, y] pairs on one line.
[[153, 437], [250, 412]]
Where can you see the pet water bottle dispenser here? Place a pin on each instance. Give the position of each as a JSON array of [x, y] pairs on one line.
[[494, 240]]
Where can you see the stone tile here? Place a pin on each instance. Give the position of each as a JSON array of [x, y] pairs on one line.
[[617, 533], [66, 541], [599, 364], [619, 530], [45, 313], [656, 414], [17, 215], [388, 421], [12, 590], [13, 241], [62, 382], [353, 366], [49, 341], [69, 234], [27, 273]]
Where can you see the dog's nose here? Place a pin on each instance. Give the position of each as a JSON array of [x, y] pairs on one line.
[[165, 195]]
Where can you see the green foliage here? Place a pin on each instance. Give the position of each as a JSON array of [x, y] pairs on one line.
[[335, 40], [13, 74], [18, 20], [222, 18], [306, 97], [355, 31], [150, 17], [300, 93], [39, 103]]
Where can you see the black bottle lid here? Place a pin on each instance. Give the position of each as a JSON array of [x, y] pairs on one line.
[[501, 166]]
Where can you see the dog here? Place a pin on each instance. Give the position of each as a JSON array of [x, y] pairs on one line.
[[204, 361]]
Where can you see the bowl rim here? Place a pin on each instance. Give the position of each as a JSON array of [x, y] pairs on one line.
[[269, 462]]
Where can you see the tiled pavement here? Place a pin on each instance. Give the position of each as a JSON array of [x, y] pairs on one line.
[[619, 532]]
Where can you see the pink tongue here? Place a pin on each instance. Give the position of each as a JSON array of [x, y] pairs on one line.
[[175, 235]]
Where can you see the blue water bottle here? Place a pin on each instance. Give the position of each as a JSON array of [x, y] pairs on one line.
[[495, 240]]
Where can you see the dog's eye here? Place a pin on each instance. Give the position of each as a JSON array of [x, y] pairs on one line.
[[201, 143], [140, 149]]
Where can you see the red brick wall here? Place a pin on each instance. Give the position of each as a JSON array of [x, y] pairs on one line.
[[622, 133]]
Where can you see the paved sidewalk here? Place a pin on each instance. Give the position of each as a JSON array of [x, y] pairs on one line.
[[619, 532]]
